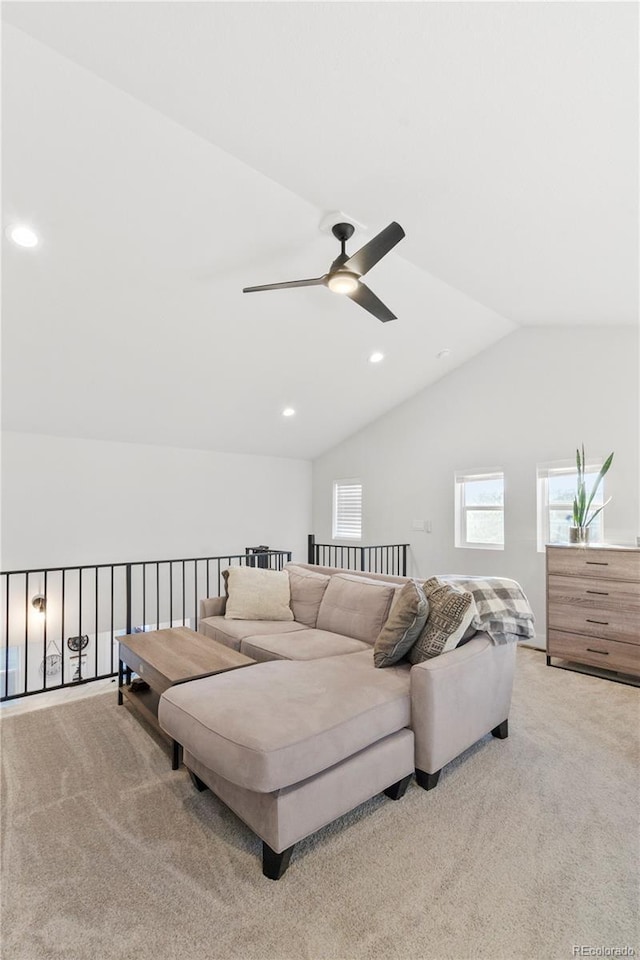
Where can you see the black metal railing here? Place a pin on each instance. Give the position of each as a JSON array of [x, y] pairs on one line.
[[390, 558], [62, 624]]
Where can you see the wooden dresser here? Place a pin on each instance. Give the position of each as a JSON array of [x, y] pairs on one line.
[[593, 606]]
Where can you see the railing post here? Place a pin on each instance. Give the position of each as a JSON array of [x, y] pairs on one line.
[[128, 597], [362, 559], [6, 640], [311, 548], [195, 594], [404, 560], [78, 676]]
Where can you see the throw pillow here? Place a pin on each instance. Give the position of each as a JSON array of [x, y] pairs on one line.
[[400, 632], [450, 613], [257, 594], [307, 591], [355, 606]]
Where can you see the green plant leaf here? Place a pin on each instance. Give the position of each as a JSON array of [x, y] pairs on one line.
[[599, 510], [603, 470]]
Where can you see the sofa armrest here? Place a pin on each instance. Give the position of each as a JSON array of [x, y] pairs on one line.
[[212, 607], [459, 697]]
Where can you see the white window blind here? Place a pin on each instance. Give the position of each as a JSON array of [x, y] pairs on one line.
[[347, 510]]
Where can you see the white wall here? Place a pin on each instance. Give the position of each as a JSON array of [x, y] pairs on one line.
[[533, 397], [72, 501]]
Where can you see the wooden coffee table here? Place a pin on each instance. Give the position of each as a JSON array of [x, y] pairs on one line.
[[163, 658]]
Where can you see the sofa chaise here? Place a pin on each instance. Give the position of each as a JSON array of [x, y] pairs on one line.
[[314, 729]]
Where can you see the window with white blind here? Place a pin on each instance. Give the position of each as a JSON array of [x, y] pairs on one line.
[[479, 509], [347, 510], [557, 483]]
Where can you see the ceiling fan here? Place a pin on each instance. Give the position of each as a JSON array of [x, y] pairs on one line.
[[345, 271]]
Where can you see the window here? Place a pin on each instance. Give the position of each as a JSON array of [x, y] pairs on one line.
[[347, 510], [557, 482], [480, 509]]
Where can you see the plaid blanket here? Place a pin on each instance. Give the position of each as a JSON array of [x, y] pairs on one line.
[[503, 611]]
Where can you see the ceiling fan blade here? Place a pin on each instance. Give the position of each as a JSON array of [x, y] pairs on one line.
[[367, 256], [283, 286], [366, 298]]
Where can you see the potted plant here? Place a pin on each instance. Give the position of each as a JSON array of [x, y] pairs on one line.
[[579, 532]]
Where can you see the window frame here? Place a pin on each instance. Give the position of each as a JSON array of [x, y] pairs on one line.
[[558, 468], [336, 532], [462, 477]]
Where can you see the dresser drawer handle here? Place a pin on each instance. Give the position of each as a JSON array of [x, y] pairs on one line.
[[604, 623], [601, 593], [597, 563], [605, 653]]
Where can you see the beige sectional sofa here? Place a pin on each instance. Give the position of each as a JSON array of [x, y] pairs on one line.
[[314, 729]]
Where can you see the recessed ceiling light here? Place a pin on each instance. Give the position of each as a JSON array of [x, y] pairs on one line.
[[376, 357], [22, 235], [443, 353], [288, 412]]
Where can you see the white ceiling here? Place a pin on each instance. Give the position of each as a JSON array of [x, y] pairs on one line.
[[171, 153]]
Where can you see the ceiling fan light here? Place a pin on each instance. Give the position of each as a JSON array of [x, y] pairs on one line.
[[343, 282]]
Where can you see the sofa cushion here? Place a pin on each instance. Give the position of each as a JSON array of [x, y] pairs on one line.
[[307, 590], [301, 645], [257, 594], [231, 632], [355, 607], [404, 624], [450, 614], [273, 724]]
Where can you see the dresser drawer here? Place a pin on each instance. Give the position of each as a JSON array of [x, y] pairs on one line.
[[587, 593], [594, 562], [613, 624], [608, 654]]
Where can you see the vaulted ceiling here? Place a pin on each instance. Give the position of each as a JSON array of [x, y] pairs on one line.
[[169, 154]]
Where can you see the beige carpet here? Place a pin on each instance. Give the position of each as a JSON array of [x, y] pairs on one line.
[[527, 847]]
